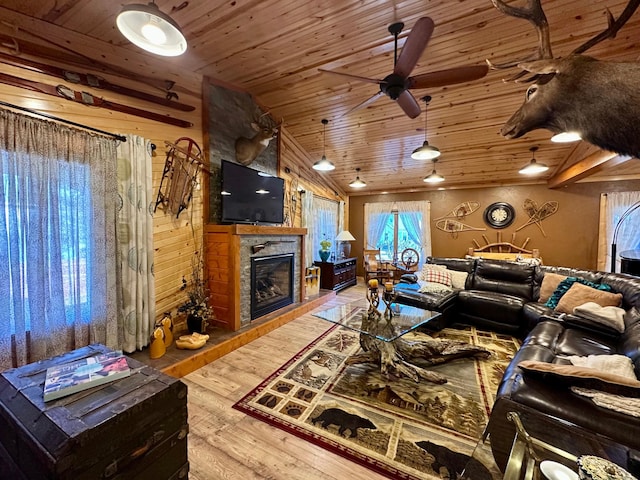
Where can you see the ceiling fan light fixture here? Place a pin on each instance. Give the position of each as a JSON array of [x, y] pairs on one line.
[[566, 137], [357, 183], [324, 165], [533, 167], [152, 30]]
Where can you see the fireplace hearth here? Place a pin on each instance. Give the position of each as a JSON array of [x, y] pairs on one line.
[[271, 283]]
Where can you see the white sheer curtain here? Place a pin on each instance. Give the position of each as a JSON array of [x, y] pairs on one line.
[[57, 239], [308, 222], [326, 219], [376, 216], [416, 217], [615, 205], [137, 301]]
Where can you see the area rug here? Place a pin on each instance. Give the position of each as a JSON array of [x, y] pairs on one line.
[[394, 426]]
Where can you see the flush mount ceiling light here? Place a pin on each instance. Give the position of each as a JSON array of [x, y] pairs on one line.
[[357, 183], [426, 151], [433, 177], [152, 30], [566, 137], [323, 164], [533, 167]]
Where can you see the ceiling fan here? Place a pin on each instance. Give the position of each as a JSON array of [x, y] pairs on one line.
[[397, 85]]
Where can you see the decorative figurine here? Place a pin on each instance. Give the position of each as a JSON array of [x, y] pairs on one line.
[[157, 347]]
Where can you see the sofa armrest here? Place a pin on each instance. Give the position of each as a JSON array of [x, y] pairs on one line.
[[408, 278], [575, 321]]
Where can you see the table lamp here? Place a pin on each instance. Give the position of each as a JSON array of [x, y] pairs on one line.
[[343, 238]]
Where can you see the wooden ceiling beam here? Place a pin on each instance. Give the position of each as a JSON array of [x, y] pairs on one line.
[[590, 165]]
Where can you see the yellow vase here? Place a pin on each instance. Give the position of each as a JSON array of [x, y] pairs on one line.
[[157, 347], [167, 329]]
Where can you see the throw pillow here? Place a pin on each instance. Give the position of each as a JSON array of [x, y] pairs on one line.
[[426, 287], [610, 316], [570, 375], [580, 294], [437, 276], [566, 284], [550, 282], [429, 266], [617, 364], [458, 279]]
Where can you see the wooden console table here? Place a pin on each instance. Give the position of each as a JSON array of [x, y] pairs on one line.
[[337, 275]]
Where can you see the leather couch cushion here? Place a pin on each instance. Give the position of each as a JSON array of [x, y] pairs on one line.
[[460, 264], [499, 307], [510, 278], [408, 294], [580, 294], [550, 282], [584, 377]]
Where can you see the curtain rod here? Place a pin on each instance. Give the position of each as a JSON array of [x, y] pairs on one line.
[[58, 119]]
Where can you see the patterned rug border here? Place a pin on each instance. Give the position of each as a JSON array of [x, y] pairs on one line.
[[350, 454], [253, 404]]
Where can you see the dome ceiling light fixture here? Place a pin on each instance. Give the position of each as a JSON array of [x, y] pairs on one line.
[[357, 183], [533, 167], [426, 151], [324, 165], [566, 137], [433, 177], [152, 30]]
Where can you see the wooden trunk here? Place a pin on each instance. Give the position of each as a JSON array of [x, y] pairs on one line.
[[134, 427]]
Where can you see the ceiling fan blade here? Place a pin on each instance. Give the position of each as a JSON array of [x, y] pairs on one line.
[[414, 46], [352, 77], [364, 104], [409, 104], [447, 77]]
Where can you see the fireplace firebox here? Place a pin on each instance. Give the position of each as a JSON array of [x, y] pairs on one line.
[[271, 283]]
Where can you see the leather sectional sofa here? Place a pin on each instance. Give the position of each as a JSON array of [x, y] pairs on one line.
[[503, 296]]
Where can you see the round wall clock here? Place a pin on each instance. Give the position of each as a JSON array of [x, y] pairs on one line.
[[499, 215]]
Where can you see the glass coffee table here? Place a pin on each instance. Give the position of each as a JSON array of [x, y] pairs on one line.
[[381, 330], [404, 319]]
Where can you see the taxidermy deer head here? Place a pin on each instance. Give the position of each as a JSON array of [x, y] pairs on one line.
[[248, 149], [599, 100]]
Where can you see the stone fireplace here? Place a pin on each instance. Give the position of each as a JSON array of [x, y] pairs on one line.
[[235, 253], [271, 283]]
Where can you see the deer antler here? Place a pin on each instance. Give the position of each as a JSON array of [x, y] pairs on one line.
[[612, 29], [535, 15]]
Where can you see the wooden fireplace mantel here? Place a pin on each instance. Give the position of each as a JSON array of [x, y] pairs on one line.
[[224, 257]]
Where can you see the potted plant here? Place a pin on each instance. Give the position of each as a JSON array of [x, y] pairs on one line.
[[196, 308], [325, 249]]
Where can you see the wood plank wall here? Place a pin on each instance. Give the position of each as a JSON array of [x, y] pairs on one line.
[[177, 241]]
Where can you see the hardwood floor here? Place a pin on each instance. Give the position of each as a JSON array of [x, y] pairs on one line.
[[225, 444]]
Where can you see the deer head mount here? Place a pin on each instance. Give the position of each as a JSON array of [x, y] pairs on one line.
[[577, 93], [248, 149]]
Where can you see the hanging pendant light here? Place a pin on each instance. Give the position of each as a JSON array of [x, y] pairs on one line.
[[533, 167], [433, 177], [152, 30], [324, 165], [426, 151], [357, 183]]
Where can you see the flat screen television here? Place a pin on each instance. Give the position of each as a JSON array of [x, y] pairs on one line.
[[250, 196]]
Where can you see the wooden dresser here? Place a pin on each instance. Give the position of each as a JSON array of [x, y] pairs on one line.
[[338, 274]]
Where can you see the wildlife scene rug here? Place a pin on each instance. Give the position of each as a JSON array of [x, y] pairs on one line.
[[395, 426]]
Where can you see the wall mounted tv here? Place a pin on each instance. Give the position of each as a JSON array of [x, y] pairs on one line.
[[250, 196]]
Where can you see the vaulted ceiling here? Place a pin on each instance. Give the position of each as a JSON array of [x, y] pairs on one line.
[[274, 48]]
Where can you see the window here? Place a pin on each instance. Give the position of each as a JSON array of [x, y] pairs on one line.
[[58, 197], [326, 223], [393, 227], [619, 217]]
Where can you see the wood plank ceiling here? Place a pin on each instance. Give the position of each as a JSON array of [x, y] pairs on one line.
[[274, 48]]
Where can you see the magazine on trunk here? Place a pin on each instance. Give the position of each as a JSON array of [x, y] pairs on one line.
[[72, 377]]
